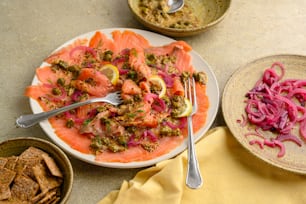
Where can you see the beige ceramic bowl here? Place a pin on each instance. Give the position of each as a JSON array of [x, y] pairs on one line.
[[18, 145], [233, 107], [208, 13]]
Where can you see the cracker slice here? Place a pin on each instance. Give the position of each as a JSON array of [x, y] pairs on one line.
[[3, 161], [24, 188], [52, 196], [38, 197], [6, 176], [32, 152], [24, 166], [45, 180], [5, 192], [56, 200], [11, 162], [52, 166], [48, 198]]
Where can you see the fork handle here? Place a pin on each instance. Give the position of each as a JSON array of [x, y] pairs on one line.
[[193, 178], [29, 120]]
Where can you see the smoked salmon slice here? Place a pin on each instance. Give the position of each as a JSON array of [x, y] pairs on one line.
[[93, 82], [71, 136], [49, 76], [129, 40], [101, 42], [64, 54], [36, 92], [177, 88], [180, 50]]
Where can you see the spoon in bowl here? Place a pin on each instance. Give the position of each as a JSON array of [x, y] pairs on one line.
[[175, 5]]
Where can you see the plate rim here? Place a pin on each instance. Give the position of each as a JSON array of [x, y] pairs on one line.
[[212, 111], [268, 161]]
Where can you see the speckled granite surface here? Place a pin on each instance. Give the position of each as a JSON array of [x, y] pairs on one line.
[[30, 30]]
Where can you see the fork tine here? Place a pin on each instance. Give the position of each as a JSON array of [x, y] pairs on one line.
[[112, 98], [186, 89], [194, 99], [119, 97], [190, 93]]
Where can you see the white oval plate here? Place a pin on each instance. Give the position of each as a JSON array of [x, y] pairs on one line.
[[200, 64]]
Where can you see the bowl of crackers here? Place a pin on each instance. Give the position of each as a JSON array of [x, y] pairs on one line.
[[34, 170]]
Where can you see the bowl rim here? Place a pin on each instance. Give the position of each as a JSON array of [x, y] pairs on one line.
[[177, 32], [67, 162]]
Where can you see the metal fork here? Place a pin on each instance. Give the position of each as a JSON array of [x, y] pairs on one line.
[[26, 121], [193, 178]]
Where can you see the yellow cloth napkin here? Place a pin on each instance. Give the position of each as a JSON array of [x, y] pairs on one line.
[[230, 173]]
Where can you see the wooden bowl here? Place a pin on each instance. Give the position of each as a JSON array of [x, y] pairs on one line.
[[206, 14], [14, 147]]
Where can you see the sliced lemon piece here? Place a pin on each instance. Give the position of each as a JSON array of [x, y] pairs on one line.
[[158, 84], [111, 72], [187, 109]]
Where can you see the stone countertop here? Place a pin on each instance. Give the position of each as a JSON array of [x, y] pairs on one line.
[[31, 30]]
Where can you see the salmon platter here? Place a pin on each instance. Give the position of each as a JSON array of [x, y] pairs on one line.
[[149, 70]]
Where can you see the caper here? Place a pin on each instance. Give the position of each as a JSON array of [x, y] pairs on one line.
[[69, 123], [56, 91], [60, 81]]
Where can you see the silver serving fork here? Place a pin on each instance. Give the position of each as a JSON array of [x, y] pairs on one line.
[[193, 178], [26, 121]]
